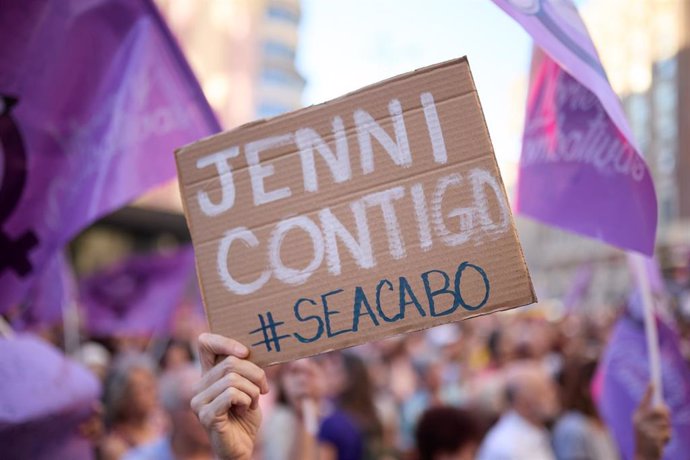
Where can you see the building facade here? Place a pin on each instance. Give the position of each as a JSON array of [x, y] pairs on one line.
[[243, 53], [644, 46]]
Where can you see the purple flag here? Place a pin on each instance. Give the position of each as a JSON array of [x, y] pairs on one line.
[[138, 296], [50, 293], [580, 169], [45, 396], [94, 98], [623, 376], [579, 287]]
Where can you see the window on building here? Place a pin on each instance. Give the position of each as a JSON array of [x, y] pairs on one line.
[[280, 12], [274, 49], [279, 77]]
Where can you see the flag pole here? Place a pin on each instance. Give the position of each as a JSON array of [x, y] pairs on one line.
[[649, 327], [70, 326]]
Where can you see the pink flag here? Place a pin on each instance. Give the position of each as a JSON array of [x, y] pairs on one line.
[[580, 168], [94, 97]]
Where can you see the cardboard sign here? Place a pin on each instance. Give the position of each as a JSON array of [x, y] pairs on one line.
[[377, 213]]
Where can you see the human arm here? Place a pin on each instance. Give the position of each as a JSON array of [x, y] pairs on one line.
[[227, 397]]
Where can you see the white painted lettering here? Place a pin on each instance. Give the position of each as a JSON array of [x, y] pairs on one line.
[[258, 172], [227, 200], [308, 141], [280, 270], [367, 127]]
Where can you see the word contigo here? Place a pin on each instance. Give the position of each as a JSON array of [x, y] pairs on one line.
[[472, 221], [387, 303]]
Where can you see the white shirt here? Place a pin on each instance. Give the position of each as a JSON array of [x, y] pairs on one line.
[[514, 438]]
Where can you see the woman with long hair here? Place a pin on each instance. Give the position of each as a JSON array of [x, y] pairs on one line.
[[351, 430]]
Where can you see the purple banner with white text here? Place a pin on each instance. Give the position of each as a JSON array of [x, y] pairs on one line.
[[580, 169]]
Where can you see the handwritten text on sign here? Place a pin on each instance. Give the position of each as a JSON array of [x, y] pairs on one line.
[[377, 213]]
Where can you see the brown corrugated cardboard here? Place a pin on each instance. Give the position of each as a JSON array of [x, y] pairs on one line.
[[377, 213]]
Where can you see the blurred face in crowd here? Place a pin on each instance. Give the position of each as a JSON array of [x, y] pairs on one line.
[[176, 356], [177, 390], [142, 393], [300, 379], [434, 376], [185, 421], [535, 395], [334, 375]]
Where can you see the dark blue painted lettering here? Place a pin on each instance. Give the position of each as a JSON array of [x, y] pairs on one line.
[[430, 294], [405, 291], [378, 302], [487, 286], [301, 319], [328, 313], [361, 299]]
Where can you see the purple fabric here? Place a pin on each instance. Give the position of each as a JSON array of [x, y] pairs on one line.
[[579, 287], [50, 292], [622, 379], [138, 296], [94, 98], [45, 396], [341, 431], [580, 168]]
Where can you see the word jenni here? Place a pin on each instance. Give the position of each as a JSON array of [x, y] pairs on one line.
[[325, 230]]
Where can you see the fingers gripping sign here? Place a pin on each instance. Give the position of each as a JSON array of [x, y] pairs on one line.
[[652, 428], [227, 397]]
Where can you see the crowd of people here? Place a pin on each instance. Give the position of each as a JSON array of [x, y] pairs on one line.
[[513, 385]]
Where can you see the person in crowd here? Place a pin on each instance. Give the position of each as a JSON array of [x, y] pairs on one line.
[[132, 414], [187, 440], [178, 353], [291, 427], [579, 433], [447, 433], [351, 428], [521, 432], [432, 392]]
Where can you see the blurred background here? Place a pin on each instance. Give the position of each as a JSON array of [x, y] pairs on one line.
[[261, 58]]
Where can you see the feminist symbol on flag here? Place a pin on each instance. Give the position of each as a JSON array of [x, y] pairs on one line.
[[119, 292], [15, 252]]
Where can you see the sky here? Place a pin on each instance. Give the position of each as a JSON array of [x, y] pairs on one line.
[[345, 45]]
